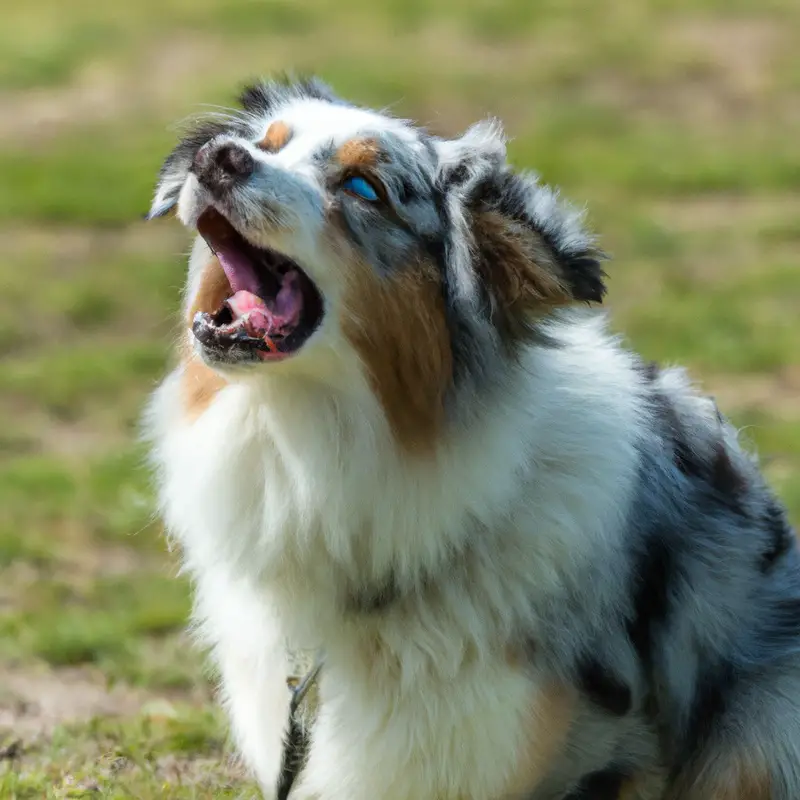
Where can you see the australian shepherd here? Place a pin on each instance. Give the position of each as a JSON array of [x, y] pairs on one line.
[[399, 433]]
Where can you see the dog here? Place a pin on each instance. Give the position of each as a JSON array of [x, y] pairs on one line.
[[400, 432]]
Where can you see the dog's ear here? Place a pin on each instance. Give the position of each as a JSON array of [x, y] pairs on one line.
[[168, 188], [531, 249], [481, 151], [175, 168], [553, 229], [517, 216]]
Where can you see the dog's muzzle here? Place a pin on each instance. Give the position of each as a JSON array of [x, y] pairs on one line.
[[221, 167]]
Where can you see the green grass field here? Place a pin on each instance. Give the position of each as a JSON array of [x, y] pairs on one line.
[[676, 121]]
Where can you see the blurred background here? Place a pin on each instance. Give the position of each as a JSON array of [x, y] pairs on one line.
[[676, 121]]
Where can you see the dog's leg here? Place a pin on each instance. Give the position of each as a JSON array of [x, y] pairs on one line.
[[752, 751], [249, 650], [726, 776], [549, 717]]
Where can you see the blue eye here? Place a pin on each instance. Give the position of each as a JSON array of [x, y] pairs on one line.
[[356, 185]]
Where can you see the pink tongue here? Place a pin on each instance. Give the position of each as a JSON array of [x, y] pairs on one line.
[[253, 311], [238, 269], [243, 302], [259, 319]]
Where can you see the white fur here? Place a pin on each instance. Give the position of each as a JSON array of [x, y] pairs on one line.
[[289, 489], [274, 484]]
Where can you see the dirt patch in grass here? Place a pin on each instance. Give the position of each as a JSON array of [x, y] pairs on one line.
[[160, 81], [65, 246], [34, 700], [186, 71], [137, 748], [739, 52], [698, 70], [105, 91], [778, 393], [720, 237], [73, 441], [701, 74], [727, 211]]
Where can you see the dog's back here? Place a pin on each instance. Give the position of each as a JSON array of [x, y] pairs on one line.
[[711, 619], [716, 607]]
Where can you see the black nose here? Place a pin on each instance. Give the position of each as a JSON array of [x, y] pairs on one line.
[[222, 166]]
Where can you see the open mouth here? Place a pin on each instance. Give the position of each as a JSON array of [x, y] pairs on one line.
[[273, 306]]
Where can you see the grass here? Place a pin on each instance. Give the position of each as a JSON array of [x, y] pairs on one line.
[[673, 120], [168, 751]]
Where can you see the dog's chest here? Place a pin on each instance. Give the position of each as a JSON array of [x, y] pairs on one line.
[[232, 496], [262, 487], [273, 496], [470, 735]]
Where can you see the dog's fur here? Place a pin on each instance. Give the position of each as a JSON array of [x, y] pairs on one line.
[[539, 568]]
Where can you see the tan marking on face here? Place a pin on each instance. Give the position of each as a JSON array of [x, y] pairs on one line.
[[522, 276], [276, 137], [397, 325], [213, 291], [199, 383], [199, 386], [550, 715], [358, 154]]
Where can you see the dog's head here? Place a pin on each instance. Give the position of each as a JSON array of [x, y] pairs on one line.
[[335, 234]]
